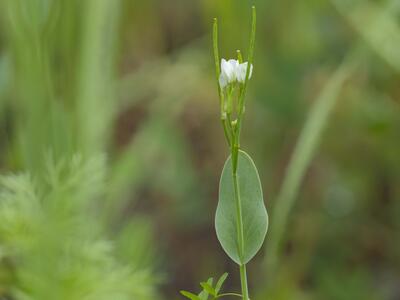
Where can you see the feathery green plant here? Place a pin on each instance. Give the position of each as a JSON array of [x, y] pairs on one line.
[[54, 244], [53, 239], [241, 219]]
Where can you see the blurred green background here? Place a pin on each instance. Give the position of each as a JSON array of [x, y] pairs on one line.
[[111, 147]]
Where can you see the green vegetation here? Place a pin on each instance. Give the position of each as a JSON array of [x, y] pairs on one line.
[[241, 220], [111, 148]]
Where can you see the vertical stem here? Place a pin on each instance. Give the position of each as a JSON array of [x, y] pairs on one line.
[[239, 226], [94, 96], [243, 281], [226, 131]]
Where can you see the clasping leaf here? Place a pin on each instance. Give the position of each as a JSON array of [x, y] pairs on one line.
[[254, 213]]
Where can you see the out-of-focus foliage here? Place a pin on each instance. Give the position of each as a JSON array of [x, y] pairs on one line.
[[58, 239], [125, 90], [51, 241]]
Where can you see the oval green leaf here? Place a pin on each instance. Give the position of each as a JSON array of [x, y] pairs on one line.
[[254, 213]]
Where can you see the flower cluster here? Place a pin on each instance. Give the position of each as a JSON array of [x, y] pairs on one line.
[[233, 71]]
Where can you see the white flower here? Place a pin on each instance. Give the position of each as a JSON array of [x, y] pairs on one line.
[[228, 72], [241, 72], [232, 71]]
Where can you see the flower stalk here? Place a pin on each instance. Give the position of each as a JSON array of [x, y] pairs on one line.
[[232, 80]]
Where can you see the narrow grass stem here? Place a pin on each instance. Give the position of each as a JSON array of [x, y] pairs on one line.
[[303, 153]]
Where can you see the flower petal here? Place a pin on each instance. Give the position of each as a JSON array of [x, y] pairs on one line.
[[233, 65], [228, 69], [241, 72], [223, 64], [223, 82]]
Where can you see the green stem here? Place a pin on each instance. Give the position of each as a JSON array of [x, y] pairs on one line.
[[243, 91], [243, 275], [226, 132], [228, 294], [243, 282]]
